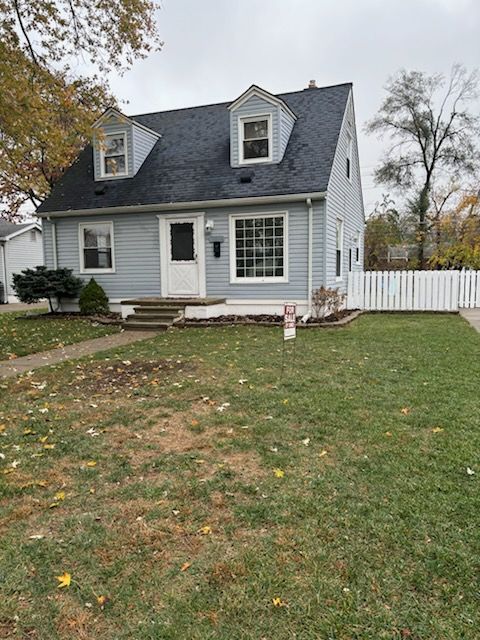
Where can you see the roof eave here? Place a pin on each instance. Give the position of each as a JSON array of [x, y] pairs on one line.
[[269, 97], [113, 111], [180, 206]]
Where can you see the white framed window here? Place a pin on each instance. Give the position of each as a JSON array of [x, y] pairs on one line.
[[348, 166], [356, 248], [339, 250], [255, 139], [113, 155], [96, 247], [259, 247]]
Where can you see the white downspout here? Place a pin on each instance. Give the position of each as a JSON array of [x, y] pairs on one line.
[[54, 243], [310, 256]]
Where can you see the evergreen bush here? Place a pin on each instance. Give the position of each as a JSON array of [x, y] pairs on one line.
[[93, 299]]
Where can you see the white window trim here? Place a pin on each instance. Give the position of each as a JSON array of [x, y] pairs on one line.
[[340, 277], [233, 254], [102, 156], [246, 119], [86, 225]]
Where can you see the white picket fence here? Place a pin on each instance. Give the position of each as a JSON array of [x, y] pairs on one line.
[[413, 290]]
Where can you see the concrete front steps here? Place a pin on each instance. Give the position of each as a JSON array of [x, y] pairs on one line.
[[158, 314]]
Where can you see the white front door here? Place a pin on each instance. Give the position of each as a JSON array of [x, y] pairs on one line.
[[183, 264]]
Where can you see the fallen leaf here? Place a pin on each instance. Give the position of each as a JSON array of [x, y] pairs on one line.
[[437, 429], [322, 453], [278, 602], [279, 473], [91, 463], [405, 411], [205, 530], [64, 580], [194, 423], [60, 495], [286, 401], [388, 434], [185, 566], [102, 600]]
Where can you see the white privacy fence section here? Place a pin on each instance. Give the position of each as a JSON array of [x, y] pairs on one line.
[[413, 290]]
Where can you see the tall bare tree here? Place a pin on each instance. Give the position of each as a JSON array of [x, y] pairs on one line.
[[433, 137]]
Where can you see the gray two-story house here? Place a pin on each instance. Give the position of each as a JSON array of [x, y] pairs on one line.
[[248, 204]]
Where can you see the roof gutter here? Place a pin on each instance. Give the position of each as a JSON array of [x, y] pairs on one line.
[[181, 206]]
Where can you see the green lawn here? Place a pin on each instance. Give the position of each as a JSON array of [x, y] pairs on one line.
[[22, 337], [193, 493]]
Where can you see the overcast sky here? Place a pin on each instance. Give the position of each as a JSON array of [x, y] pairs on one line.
[[215, 49]]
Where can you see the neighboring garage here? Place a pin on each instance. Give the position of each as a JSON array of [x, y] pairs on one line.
[[20, 248]]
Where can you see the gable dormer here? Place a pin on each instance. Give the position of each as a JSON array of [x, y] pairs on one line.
[[260, 127], [120, 145]]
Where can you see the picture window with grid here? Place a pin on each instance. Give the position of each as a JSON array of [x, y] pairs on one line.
[[260, 247]]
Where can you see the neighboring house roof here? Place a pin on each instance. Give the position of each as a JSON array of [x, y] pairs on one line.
[[9, 229], [191, 162]]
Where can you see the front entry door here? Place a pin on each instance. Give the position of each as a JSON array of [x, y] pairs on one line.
[[183, 263]]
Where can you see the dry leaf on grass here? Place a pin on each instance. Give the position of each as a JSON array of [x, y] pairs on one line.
[[64, 580]]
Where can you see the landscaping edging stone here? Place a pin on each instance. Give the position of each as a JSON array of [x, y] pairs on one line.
[[243, 323]]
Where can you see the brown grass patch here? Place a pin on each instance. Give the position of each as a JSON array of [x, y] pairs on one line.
[[112, 376]]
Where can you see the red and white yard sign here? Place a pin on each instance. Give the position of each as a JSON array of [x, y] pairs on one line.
[[289, 320]]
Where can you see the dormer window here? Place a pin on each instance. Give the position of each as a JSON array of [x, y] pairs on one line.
[[113, 155], [256, 139]]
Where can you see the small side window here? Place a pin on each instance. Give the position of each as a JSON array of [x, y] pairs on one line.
[[349, 157], [33, 235], [339, 250]]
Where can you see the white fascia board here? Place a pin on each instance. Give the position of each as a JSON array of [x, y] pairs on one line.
[[181, 206], [261, 93]]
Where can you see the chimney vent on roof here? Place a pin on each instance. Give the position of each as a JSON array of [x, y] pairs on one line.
[[312, 84]]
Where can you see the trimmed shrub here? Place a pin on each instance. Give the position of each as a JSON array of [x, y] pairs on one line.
[[33, 285], [93, 299]]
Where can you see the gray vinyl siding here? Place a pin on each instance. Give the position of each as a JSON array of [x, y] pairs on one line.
[[282, 124], [286, 126], [344, 201], [47, 243], [137, 257], [22, 253], [318, 244], [137, 253], [218, 269], [143, 143]]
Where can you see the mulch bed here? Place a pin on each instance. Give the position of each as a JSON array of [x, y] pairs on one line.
[[270, 321]]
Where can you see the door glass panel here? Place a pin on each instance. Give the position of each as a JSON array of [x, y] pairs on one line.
[[182, 245]]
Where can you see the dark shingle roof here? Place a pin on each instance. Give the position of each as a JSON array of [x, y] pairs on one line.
[[191, 162], [7, 228]]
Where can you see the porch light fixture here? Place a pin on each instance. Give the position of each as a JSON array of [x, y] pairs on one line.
[[209, 225]]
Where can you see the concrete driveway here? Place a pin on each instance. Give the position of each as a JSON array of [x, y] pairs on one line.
[[472, 316], [20, 306]]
